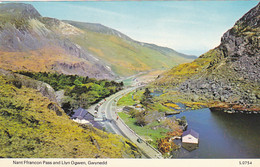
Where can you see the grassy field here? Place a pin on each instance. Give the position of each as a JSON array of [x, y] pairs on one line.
[[145, 131], [159, 107], [126, 100], [135, 97]]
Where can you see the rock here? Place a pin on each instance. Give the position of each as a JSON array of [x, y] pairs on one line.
[[213, 86], [222, 98], [55, 108], [203, 86], [241, 79], [253, 96], [128, 108], [195, 98], [215, 94], [171, 112]]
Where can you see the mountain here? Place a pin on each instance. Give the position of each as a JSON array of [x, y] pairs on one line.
[[101, 29], [31, 42], [227, 76], [32, 125], [124, 55]]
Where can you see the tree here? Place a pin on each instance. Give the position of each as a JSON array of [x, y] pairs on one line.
[[183, 120], [146, 98], [77, 82], [133, 113], [140, 118]]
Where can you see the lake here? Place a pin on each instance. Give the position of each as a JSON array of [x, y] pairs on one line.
[[222, 135]]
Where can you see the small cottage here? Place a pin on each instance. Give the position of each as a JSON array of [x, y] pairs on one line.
[[79, 113], [190, 136]]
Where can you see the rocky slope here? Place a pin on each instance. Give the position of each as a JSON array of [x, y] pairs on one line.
[[227, 76], [29, 41]]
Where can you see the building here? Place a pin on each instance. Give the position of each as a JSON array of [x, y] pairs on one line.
[[190, 140], [79, 113], [190, 136]]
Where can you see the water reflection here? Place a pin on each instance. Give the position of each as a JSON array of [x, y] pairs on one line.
[[190, 146], [223, 135]]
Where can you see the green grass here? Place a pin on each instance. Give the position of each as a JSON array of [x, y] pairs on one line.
[[159, 107], [146, 130], [138, 95], [130, 98], [128, 82], [126, 100], [135, 97]]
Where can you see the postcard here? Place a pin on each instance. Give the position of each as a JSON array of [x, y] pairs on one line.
[[133, 83]]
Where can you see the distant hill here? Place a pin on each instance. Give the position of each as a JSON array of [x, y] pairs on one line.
[[228, 74], [29, 41], [125, 55]]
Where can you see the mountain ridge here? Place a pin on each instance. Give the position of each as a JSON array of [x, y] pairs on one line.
[[128, 55], [227, 76], [98, 55], [100, 28]]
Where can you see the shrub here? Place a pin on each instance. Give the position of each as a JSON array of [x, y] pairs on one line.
[[133, 113], [140, 119], [17, 83]]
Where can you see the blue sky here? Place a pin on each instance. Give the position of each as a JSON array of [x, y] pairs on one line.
[[191, 27]]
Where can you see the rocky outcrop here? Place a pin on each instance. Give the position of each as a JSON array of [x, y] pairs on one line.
[[21, 80], [228, 74], [19, 10]]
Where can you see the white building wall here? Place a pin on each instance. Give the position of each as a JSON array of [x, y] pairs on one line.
[[83, 121], [190, 139]]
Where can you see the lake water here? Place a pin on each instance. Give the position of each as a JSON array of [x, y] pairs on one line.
[[223, 135]]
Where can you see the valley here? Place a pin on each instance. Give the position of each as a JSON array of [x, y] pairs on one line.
[[73, 89]]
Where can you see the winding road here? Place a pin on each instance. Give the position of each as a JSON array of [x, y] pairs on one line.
[[106, 114]]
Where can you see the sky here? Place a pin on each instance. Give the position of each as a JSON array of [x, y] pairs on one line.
[[190, 27]]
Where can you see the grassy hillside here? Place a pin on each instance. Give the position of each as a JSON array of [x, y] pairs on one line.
[[185, 71], [32, 126], [124, 55]]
